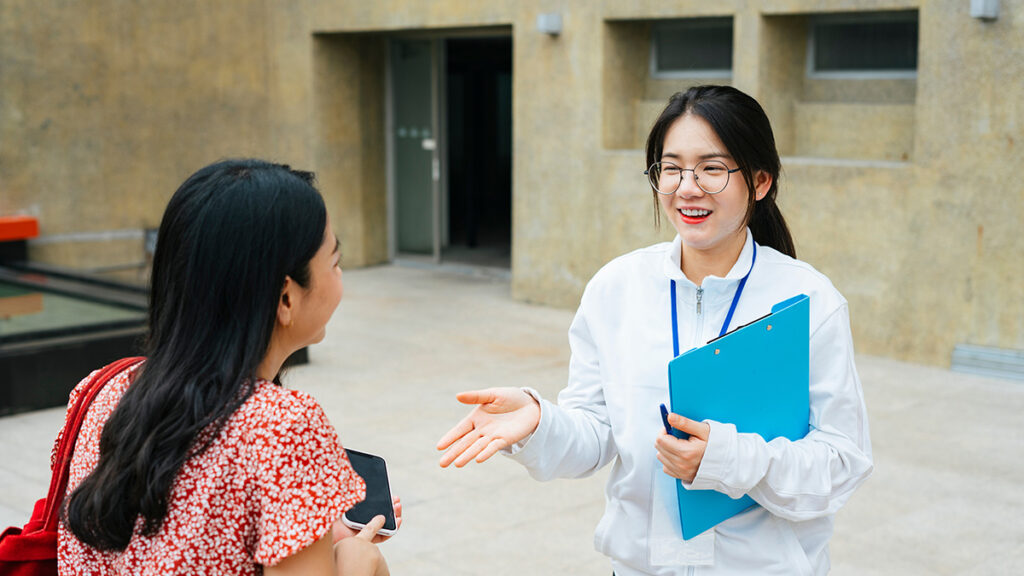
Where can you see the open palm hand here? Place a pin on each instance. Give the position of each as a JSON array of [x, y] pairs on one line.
[[501, 417]]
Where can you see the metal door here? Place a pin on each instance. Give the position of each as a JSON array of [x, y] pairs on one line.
[[414, 161]]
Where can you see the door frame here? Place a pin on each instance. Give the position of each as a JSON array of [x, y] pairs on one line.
[[439, 118]]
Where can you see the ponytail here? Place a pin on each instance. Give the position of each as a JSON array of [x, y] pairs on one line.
[[769, 227]]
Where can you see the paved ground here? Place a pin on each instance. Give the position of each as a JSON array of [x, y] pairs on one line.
[[945, 497]]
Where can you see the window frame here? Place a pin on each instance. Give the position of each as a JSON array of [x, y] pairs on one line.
[[860, 18], [691, 73]]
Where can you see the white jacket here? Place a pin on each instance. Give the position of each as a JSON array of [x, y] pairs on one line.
[[621, 340]]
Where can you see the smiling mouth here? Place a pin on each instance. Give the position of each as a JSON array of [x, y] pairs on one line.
[[694, 213]]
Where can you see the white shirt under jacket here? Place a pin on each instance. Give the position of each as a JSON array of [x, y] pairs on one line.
[[621, 341]]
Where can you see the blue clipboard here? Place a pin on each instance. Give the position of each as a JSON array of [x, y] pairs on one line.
[[755, 377]]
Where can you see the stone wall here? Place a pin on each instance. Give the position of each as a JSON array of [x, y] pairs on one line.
[[905, 192]]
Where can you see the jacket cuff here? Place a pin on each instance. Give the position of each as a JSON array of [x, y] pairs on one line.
[[719, 456], [527, 450]]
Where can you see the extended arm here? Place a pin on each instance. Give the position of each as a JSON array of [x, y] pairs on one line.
[[574, 437], [571, 439]]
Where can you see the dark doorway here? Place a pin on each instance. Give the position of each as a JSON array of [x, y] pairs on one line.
[[479, 123]]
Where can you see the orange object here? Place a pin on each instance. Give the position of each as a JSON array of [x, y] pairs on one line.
[[18, 228], [22, 305]]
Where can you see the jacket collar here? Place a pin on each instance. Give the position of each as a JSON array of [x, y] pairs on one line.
[[673, 258]]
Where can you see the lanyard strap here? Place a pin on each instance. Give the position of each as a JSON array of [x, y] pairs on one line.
[[728, 317]]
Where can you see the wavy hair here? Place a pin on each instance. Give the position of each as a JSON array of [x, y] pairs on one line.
[[229, 236]]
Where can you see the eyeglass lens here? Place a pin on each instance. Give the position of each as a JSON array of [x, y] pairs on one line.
[[711, 176]]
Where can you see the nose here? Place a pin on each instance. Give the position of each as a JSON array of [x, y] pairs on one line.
[[688, 187]]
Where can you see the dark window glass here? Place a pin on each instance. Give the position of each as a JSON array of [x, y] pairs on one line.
[[693, 45], [869, 42]]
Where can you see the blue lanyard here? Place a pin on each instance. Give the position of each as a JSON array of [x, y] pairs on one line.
[[728, 317]]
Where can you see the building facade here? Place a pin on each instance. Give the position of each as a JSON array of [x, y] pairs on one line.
[[514, 129]]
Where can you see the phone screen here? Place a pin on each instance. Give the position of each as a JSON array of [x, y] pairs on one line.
[[374, 472]]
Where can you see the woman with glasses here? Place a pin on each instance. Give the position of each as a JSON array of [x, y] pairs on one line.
[[714, 169]]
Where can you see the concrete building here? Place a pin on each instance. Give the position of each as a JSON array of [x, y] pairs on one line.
[[510, 132]]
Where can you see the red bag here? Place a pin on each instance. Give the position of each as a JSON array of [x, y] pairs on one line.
[[32, 550]]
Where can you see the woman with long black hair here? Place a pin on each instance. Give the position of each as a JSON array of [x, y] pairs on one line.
[[198, 461], [714, 169]]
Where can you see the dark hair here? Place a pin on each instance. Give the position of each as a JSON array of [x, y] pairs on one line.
[[229, 236], [743, 127]]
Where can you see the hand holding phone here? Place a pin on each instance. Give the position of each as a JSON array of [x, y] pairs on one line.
[[374, 473], [358, 554]]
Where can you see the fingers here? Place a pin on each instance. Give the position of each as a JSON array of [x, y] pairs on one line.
[[397, 504], [682, 458], [461, 429], [491, 449], [459, 447], [469, 453], [477, 396], [663, 461], [669, 445], [502, 416], [371, 528], [676, 465], [472, 446], [465, 426], [693, 428], [447, 458]]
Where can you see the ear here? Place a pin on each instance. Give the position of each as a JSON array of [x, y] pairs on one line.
[[285, 304], [762, 183]]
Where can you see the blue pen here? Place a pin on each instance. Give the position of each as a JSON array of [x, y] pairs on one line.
[[664, 419], [668, 427]]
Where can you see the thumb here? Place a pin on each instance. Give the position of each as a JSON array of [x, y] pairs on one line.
[[691, 427], [371, 528], [477, 396]]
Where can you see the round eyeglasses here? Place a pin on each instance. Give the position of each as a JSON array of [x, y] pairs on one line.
[[711, 176]]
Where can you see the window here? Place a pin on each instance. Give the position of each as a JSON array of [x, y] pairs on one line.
[[695, 47], [872, 44]]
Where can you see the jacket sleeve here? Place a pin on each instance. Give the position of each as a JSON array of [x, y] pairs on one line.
[[814, 476], [573, 438]]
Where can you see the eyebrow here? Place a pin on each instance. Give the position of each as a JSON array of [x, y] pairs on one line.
[[702, 156]]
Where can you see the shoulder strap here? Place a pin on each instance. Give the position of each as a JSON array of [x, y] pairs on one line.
[[76, 415]]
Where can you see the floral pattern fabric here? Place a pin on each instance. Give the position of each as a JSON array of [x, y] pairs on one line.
[[271, 483]]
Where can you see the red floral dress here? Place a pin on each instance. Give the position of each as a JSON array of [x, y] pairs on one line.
[[271, 484]]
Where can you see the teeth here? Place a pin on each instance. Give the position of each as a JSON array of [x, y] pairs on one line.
[[695, 213]]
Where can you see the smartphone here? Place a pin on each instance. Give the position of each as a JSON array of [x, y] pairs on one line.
[[374, 472]]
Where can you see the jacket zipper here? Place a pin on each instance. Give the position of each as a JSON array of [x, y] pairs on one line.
[[692, 570]]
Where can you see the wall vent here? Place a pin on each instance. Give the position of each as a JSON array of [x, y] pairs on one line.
[[986, 361]]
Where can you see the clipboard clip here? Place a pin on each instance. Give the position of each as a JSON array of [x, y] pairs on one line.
[[780, 306], [740, 327]]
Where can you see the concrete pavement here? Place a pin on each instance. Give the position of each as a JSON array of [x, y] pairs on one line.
[[945, 497]]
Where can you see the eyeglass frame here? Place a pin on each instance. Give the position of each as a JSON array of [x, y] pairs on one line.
[[728, 173]]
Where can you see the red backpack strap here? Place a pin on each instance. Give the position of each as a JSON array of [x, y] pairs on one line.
[[76, 415]]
